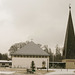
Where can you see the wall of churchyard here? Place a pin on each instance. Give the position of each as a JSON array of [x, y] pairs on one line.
[[70, 63]]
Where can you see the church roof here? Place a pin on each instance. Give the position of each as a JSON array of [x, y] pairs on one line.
[[31, 49], [69, 51]]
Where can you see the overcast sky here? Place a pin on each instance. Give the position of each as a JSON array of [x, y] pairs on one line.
[[44, 21]]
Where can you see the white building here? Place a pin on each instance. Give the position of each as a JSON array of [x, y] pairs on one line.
[[5, 63], [23, 57]]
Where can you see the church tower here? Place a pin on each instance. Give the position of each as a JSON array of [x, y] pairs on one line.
[[69, 44]]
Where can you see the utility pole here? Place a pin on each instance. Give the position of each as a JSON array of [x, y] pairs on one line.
[[53, 59], [47, 65]]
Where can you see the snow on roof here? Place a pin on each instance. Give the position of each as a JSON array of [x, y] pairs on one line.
[[31, 49], [5, 61]]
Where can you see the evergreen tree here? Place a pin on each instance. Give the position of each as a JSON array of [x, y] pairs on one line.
[[58, 56], [33, 66], [48, 50], [51, 55], [45, 48], [0, 56], [16, 47], [4, 56]]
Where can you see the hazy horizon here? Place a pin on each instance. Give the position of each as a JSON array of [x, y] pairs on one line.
[[44, 21]]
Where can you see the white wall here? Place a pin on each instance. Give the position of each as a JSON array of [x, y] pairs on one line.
[[26, 62]]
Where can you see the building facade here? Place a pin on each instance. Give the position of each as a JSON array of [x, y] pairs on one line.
[[70, 63], [31, 52], [25, 61], [5, 63]]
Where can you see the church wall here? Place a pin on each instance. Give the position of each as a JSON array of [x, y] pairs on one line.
[[24, 62], [70, 63]]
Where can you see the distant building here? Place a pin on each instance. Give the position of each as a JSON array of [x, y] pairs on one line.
[[23, 57], [5, 63], [57, 65]]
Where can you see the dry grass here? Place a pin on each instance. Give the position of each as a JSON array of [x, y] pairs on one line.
[[23, 71], [42, 72]]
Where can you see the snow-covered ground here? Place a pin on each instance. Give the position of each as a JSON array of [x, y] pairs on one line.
[[56, 72], [6, 72], [62, 72]]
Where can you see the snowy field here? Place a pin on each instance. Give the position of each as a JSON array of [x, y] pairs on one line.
[[62, 72], [6, 72], [56, 72]]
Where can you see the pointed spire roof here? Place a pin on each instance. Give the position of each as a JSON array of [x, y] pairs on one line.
[[69, 38]]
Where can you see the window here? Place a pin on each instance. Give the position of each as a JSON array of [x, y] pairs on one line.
[[17, 55], [3, 63], [33, 56], [30, 56], [10, 63], [21, 55], [42, 56], [36, 56], [14, 55], [27, 56], [39, 56], [45, 56]]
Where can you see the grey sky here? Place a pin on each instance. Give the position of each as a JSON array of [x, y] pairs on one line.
[[45, 21]]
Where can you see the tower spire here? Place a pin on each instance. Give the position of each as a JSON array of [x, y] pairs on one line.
[[69, 52]]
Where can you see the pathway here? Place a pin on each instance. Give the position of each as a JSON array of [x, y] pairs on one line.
[[62, 72]]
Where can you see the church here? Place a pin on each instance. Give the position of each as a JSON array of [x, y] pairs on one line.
[[69, 44], [23, 57]]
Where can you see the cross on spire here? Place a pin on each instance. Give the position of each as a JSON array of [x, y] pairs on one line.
[[70, 6]]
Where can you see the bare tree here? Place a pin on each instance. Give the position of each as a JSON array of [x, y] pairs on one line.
[[16, 47], [58, 56]]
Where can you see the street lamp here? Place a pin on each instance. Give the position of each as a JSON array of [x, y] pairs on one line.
[[47, 65]]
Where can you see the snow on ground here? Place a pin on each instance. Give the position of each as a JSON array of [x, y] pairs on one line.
[[62, 72], [7, 72]]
